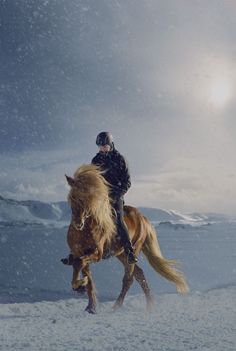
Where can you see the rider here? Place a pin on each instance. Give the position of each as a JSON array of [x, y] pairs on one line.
[[117, 174]]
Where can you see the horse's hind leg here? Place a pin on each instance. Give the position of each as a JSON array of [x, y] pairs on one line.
[[139, 276], [127, 280], [91, 308]]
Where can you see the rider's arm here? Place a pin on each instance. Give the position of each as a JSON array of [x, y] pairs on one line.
[[124, 180]]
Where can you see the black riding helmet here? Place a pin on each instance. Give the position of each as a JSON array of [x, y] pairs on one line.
[[104, 138]]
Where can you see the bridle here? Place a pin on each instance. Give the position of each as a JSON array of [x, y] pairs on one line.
[[76, 225]]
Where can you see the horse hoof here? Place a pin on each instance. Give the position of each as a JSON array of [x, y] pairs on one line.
[[150, 305], [116, 306], [79, 283], [65, 261], [91, 310], [68, 260]]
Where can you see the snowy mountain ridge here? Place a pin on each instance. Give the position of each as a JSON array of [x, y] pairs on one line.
[[33, 212], [58, 214]]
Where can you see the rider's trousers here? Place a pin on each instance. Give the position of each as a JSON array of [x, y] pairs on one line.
[[118, 205]]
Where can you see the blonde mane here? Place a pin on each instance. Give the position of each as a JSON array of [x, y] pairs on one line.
[[92, 191]]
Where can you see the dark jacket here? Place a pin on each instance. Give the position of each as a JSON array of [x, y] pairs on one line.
[[116, 171]]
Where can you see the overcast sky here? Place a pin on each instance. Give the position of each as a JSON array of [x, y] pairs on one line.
[[159, 74]]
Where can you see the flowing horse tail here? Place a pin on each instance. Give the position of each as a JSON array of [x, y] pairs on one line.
[[166, 268]]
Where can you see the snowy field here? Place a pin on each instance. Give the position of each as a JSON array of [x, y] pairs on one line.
[[38, 310], [199, 321]]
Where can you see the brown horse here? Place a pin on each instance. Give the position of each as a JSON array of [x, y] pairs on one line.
[[92, 237]]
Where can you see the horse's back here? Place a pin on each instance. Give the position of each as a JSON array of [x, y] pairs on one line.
[[132, 213]]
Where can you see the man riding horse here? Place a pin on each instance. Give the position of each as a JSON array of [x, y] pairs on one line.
[[116, 173]]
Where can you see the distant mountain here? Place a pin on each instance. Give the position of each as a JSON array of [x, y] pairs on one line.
[[157, 215], [175, 217], [58, 213], [30, 211]]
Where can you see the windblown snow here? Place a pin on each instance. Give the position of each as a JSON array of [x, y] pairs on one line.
[[38, 310]]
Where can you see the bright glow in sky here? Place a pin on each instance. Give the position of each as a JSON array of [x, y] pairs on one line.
[[220, 92]]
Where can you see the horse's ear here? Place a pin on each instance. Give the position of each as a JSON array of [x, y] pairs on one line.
[[70, 180]]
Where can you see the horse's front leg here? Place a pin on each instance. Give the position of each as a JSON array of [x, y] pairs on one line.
[[94, 256], [76, 282], [91, 308]]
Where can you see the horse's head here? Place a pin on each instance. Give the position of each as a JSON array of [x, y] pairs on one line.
[[89, 197], [78, 208]]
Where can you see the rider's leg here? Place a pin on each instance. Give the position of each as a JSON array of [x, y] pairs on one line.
[[123, 233]]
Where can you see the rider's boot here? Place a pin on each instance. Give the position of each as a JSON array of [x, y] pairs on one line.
[[124, 237]]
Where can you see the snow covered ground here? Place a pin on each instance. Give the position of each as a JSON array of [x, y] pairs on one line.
[[38, 310], [195, 322]]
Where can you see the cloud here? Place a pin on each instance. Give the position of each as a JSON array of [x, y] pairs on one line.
[[38, 174], [186, 185]]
